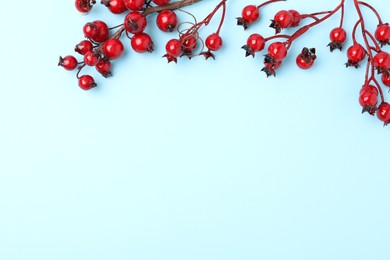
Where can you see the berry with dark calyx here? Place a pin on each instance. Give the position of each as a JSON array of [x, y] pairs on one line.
[[84, 6], [91, 58], [189, 43], [174, 50], [296, 16], [255, 43], [270, 66], [161, 2], [337, 37], [381, 62], [112, 48], [383, 113], [83, 47], [382, 34], [96, 31], [90, 30], [115, 6], [356, 53], [134, 5], [142, 43], [386, 79], [277, 51], [68, 62], [282, 19], [249, 15], [104, 67], [166, 21], [368, 99], [213, 43], [86, 82], [135, 22], [305, 60]]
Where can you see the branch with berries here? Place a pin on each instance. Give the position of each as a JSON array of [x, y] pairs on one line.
[[104, 45]]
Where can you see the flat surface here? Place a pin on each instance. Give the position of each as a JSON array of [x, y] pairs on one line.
[[194, 161]]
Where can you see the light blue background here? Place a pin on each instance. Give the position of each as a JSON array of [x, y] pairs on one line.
[[195, 161]]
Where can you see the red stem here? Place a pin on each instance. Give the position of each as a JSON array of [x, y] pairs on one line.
[[372, 9]]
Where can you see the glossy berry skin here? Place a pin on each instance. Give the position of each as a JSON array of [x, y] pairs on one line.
[[250, 13], [277, 50], [383, 112], [256, 42], [134, 5], [166, 21], [86, 82], [303, 63], [68, 62], [142, 43], [296, 18], [174, 48], [386, 79], [368, 99], [97, 31], [161, 2], [83, 6], [283, 18], [83, 47], [214, 42], [381, 61], [91, 58], [90, 30], [188, 42], [112, 49], [135, 22], [382, 33], [104, 67], [115, 6], [338, 35], [356, 53]]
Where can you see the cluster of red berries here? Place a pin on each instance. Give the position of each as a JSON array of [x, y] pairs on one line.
[[371, 51], [101, 46]]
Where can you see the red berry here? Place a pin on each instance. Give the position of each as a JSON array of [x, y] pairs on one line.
[[174, 48], [161, 2], [84, 47], [369, 88], [97, 31], [91, 58], [142, 43], [115, 6], [283, 18], [277, 50], [188, 42], [356, 53], [383, 112], [381, 61], [83, 6], [112, 48], [250, 13], [382, 33], [256, 42], [303, 64], [135, 22], [214, 42], [338, 35], [368, 99], [134, 5], [296, 16], [166, 21], [86, 82], [68, 62], [90, 30], [386, 79], [104, 67]]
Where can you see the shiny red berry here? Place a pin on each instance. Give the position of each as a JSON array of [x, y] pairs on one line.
[[188, 42], [256, 42], [306, 58], [283, 18], [250, 13], [112, 49], [277, 50], [338, 35], [115, 6], [84, 47], [383, 112], [91, 58], [356, 53], [386, 79], [84, 6], [135, 22], [86, 82], [96, 31], [134, 5], [368, 99], [382, 33], [142, 43], [104, 67], [166, 21], [214, 42], [296, 18], [174, 48], [68, 62], [381, 61], [161, 2]]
